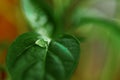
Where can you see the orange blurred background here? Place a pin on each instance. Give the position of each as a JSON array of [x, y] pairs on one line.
[[11, 25]]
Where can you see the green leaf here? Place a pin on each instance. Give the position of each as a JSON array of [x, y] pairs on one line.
[[23, 53], [64, 51], [31, 58], [109, 25]]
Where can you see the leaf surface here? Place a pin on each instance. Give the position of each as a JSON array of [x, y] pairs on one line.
[[28, 60]]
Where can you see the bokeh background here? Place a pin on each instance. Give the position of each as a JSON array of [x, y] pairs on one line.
[[11, 25], [100, 49]]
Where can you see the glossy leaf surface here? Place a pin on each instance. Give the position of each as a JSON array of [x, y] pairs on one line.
[[31, 58]]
